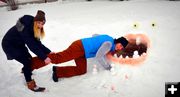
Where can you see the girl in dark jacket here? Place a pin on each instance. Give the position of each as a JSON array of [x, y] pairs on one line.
[[27, 34]]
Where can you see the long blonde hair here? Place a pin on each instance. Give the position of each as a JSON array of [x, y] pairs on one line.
[[38, 33]]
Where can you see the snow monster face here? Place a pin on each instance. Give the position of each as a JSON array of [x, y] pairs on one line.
[[135, 52]]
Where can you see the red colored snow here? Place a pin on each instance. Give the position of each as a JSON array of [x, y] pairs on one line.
[[132, 61]]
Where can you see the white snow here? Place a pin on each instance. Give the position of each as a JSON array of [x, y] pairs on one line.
[[67, 22]]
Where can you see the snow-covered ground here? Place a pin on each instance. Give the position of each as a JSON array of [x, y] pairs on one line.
[[69, 21]]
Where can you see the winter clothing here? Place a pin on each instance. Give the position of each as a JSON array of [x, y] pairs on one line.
[[97, 46], [91, 45], [26, 61], [80, 50], [32, 86], [100, 55], [16, 41], [40, 16], [122, 40], [37, 63], [54, 74], [74, 51]]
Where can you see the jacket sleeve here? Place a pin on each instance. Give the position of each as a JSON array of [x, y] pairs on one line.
[[100, 55], [33, 44], [25, 27], [45, 49]]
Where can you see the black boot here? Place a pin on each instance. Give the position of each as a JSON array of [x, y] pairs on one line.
[[54, 74]]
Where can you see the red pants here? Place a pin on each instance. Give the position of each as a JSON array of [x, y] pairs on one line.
[[74, 51]]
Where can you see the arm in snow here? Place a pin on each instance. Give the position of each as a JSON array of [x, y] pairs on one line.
[[100, 55]]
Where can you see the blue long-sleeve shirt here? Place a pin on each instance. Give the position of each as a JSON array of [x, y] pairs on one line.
[[92, 44]]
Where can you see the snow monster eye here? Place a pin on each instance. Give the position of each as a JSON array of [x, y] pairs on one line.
[[135, 52], [153, 24], [136, 25]]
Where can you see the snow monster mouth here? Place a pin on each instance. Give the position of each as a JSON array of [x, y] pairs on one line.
[[135, 52]]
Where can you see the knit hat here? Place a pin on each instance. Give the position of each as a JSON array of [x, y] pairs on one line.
[[40, 16], [121, 40]]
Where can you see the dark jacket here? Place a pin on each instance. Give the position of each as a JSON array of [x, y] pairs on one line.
[[21, 36]]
